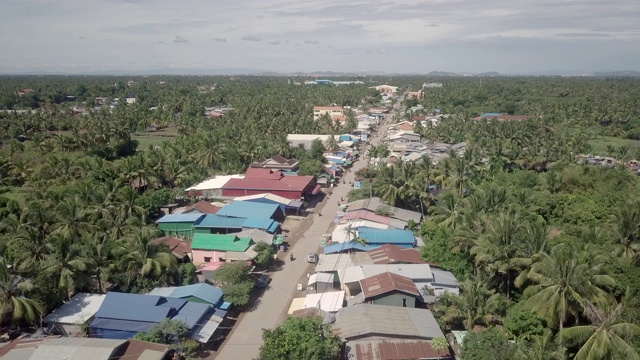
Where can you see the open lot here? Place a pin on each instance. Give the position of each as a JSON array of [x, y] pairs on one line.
[[599, 144]]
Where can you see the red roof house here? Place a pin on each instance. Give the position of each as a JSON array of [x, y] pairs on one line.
[[260, 181], [392, 254], [202, 207]]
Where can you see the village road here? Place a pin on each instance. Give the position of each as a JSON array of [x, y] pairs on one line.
[[246, 338]]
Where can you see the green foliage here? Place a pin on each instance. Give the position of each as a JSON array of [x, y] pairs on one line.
[[187, 273], [151, 200], [169, 332], [300, 338], [489, 344], [236, 282], [311, 167], [437, 250], [265, 253], [522, 324]]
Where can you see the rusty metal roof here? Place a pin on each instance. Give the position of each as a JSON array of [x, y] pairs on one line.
[[396, 350], [392, 254], [387, 282]]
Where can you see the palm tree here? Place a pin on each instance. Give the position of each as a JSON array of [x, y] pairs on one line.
[[605, 338], [497, 249], [627, 222], [539, 347], [476, 305], [12, 299], [563, 281], [68, 265], [144, 258]]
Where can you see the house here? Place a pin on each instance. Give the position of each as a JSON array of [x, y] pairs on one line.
[[278, 163], [201, 207], [216, 224], [348, 231], [318, 111], [211, 188], [392, 254], [253, 210], [179, 224], [350, 278], [122, 315], [402, 126], [414, 94], [443, 282], [347, 247], [179, 248], [290, 187], [370, 216], [404, 136], [290, 206], [431, 85], [376, 205], [321, 282], [201, 293], [78, 348], [213, 247], [70, 318], [402, 238], [389, 289], [306, 140], [378, 332], [386, 89]]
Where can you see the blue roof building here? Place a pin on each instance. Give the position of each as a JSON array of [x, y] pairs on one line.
[[216, 224], [254, 210], [123, 315], [180, 218], [402, 238], [200, 293], [347, 246]]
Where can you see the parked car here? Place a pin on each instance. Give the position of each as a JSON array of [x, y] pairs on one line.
[[312, 258], [263, 281]]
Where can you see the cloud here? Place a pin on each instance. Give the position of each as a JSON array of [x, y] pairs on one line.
[[251, 38], [220, 40], [180, 40], [311, 42], [274, 42], [585, 35]]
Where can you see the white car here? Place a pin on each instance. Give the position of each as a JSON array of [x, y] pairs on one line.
[[312, 258]]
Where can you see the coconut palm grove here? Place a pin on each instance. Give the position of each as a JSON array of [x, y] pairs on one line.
[[538, 218]]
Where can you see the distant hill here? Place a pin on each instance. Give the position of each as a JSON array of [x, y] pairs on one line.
[[626, 73]]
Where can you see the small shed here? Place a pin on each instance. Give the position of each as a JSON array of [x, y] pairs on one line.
[[68, 319], [321, 282]]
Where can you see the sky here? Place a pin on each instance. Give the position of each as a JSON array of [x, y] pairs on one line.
[[393, 36]]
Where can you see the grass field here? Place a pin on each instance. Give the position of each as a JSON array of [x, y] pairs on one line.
[[599, 144]]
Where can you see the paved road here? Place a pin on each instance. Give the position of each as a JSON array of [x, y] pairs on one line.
[[245, 340]]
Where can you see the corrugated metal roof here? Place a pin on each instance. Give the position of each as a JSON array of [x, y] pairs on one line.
[[203, 332], [162, 291], [139, 307], [395, 349], [345, 246], [202, 291], [219, 242], [217, 221], [182, 218], [374, 203], [387, 236], [415, 272], [214, 183], [328, 301], [268, 225], [392, 254], [192, 312], [387, 282], [445, 278], [267, 196], [78, 310], [320, 277], [77, 349], [250, 209], [364, 320]]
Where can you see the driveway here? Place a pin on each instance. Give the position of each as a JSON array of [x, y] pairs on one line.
[[245, 340]]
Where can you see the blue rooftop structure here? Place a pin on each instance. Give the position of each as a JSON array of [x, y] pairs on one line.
[[268, 225], [186, 218], [491, 114], [123, 315], [402, 238], [247, 209], [216, 221], [202, 291], [346, 246]]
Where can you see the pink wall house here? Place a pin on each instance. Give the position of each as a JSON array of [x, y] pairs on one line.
[[204, 256]]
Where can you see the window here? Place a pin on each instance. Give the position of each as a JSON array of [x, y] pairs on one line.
[[207, 259], [404, 302]]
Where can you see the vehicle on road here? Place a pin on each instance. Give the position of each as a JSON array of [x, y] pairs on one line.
[[263, 281], [312, 258]]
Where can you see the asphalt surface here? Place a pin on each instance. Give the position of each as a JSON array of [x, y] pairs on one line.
[[244, 342]]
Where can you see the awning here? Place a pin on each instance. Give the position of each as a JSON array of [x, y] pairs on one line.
[[278, 240], [203, 332], [320, 277], [316, 190]]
